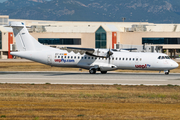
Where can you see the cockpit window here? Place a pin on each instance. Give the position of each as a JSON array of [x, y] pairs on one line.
[[167, 57], [163, 57]]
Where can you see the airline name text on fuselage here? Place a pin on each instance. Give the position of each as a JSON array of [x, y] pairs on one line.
[[63, 60], [143, 66]]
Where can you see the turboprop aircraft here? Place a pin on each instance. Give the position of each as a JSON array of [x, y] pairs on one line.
[[102, 60]]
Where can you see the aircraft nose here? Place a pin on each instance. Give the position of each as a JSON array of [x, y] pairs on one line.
[[175, 64]]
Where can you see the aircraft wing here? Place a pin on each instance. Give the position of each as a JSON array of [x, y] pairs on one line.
[[103, 53], [89, 51], [78, 50], [129, 49]]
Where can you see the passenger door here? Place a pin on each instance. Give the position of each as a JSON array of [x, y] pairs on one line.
[[49, 59]]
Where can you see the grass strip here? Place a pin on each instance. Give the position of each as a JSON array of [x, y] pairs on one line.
[[49, 101]]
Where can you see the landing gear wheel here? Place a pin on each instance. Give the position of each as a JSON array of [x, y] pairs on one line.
[[103, 72], [92, 71], [167, 73]]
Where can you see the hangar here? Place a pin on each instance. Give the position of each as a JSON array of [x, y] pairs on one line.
[[147, 37]]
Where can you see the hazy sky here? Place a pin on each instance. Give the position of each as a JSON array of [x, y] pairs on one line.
[[6, 0]]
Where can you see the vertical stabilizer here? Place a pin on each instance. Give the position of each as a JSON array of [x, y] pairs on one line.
[[24, 41]]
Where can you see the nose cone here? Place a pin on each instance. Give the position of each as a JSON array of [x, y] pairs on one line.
[[176, 64]]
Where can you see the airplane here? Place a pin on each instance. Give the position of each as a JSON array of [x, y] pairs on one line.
[[94, 60]]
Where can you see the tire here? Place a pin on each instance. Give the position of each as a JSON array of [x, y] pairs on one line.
[[166, 73], [103, 72], [92, 71]]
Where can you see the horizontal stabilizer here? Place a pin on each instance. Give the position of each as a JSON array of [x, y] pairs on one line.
[[16, 24]]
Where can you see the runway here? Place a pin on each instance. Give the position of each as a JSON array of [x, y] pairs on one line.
[[86, 78]]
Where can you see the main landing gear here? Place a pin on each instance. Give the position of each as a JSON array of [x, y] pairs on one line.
[[93, 71]]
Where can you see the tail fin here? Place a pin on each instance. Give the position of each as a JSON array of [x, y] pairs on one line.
[[24, 41]]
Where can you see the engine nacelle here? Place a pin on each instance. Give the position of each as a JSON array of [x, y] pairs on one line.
[[102, 52]]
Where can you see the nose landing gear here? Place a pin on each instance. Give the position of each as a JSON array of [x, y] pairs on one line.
[[167, 72], [103, 72]]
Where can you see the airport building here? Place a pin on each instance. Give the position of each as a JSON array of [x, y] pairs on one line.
[[147, 37]]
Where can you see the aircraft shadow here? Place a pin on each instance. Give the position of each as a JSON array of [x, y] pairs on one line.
[[113, 73]]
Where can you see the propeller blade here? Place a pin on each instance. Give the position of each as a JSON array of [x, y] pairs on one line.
[[109, 60], [109, 53]]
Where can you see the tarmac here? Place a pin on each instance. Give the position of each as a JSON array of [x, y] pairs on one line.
[[70, 77]]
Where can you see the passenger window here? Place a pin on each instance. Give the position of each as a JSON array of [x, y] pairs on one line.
[[159, 57], [81, 57], [126, 58], [123, 58], [74, 57], [58, 56], [112, 58], [130, 59], [88, 57], [119, 58], [61, 56], [163, 57], [64, 56], [84, 57], [71, 57], [140, 59], [136, 59], [133, 59], [68, 56], [78, 57], [95, 57], [55, 56], [116, 58], [92, 58]]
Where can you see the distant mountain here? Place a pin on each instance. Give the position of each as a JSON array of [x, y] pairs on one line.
[[156, 11]]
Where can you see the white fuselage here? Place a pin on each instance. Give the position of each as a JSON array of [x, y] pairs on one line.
[[104, 60], [120, 60]]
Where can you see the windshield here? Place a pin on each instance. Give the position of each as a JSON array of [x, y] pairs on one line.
[[164, 57]]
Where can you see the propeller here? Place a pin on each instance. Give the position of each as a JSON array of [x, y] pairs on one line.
[[109, 53]]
